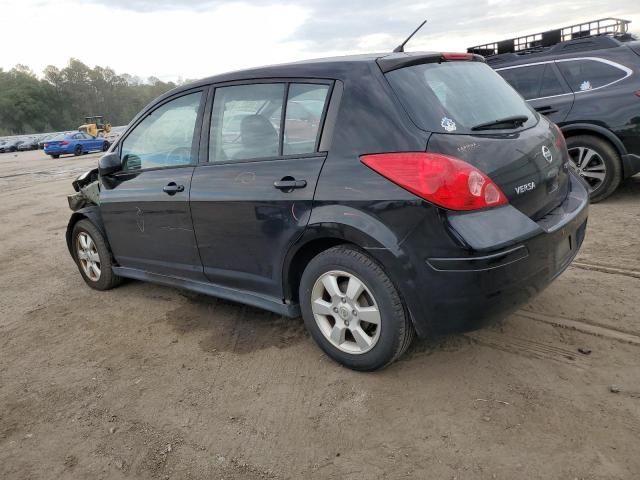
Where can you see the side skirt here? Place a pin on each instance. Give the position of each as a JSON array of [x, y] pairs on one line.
[[241, 296]]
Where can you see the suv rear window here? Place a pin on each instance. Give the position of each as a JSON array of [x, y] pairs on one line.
[[453, 97], [583, 75]]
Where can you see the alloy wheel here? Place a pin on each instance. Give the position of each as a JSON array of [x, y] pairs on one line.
[[589, 164], [346, 312], [87, 253]]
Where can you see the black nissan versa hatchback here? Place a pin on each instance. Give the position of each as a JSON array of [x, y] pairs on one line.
[[376, 195]]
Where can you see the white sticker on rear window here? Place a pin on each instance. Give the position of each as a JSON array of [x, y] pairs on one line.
[[448, 124], [586, 85]]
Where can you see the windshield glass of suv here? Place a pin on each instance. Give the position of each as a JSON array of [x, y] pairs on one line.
[[454, 97]]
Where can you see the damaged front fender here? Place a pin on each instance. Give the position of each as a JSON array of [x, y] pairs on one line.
[[87, 189]]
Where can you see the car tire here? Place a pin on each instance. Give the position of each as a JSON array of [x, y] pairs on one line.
[[78, 150], [86, 243], [602, 158], [105, 146], [55, 155], [325, 314]]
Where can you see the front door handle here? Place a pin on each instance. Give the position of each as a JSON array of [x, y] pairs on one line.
[[171, 188], [546, 110], [288, 184]]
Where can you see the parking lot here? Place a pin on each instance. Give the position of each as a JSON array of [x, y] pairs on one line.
[[150, 382]]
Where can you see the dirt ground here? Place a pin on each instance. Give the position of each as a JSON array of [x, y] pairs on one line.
[[151, 382]]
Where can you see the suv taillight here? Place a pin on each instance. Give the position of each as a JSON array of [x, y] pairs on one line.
[[440, 179]]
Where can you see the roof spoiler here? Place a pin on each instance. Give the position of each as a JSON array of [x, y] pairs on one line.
[[395, 61]]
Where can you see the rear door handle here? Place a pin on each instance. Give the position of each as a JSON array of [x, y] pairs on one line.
[[546, 110], [171, 188], [289, 184]]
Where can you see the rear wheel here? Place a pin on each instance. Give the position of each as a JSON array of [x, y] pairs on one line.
[[597, 162], [93, 257], [78, 150], [352, 309]]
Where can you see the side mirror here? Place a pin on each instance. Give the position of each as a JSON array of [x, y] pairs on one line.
[[109, 163]]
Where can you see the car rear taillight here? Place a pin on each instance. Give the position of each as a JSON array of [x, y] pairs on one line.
[[440, 179], [45, 145], [64, 142], [560, 141]]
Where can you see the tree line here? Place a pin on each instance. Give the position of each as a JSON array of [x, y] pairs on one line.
[[61, 98]]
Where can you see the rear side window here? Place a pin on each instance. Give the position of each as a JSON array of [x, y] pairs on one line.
[[584, 74], [305, 105], [453, 97], [534, 81], [246, 120]]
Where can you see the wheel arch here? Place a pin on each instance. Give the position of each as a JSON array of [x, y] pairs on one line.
[[323, 232], [574, 129], [91, 213]]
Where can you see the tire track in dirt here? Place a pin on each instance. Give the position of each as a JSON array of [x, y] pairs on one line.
[[527, 347], [584, 326], [604, 268]]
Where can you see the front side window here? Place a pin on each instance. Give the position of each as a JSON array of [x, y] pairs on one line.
[[164, 138], [525, 80], [583, 75], [245, 122], [534, 81], [550, 85]]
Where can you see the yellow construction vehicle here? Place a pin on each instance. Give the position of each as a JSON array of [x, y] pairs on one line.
[[95, 126]]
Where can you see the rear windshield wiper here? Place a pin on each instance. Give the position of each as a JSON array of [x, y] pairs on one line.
[[507, 122]]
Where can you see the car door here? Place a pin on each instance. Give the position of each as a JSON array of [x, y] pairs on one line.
[[543, 87], [91, 143], [145, 207], [252, 196], [84, 140], [78, 139]]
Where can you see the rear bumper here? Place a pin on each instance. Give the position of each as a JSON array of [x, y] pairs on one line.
[[631, 164], [507, 260]]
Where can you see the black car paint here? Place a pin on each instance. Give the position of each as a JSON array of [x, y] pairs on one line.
[[248, 240], [612, 112]]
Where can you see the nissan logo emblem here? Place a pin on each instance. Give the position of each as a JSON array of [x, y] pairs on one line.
[[546, 153]]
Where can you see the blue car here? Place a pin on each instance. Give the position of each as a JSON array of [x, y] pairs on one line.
[[75, 143]]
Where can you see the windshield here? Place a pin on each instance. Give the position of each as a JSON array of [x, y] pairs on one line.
[[454, 97]]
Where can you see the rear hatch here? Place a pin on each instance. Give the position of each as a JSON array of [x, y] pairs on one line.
[[475, 116]]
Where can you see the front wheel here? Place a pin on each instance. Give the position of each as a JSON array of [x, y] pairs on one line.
[[77, 151], [105, 146], [352, 309], [92, 256], [55, 155], [597, 162]]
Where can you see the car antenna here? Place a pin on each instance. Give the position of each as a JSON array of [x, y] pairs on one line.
[[400, 48]]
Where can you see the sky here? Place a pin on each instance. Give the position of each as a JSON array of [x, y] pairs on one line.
[[191, 39]]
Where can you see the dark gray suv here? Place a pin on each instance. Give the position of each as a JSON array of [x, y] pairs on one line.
[[586, 79]]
